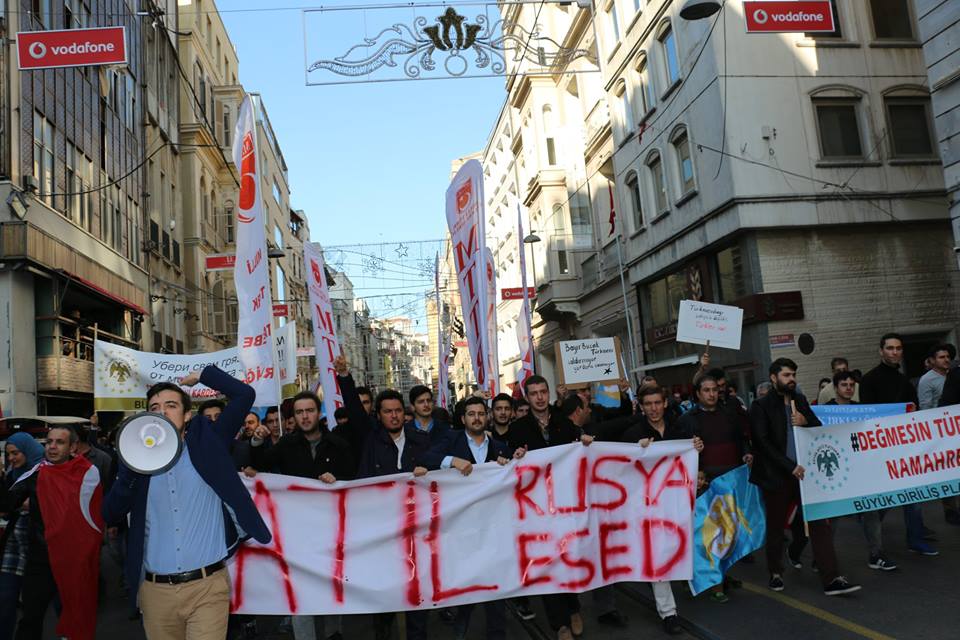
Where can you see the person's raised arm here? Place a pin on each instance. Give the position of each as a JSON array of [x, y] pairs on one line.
[[240, 398]]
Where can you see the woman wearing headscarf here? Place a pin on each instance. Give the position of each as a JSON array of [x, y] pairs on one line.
[[22, 453]]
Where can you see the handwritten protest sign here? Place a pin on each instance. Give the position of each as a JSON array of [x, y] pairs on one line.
[[718, 325], [879, 463], [563, 519], [586, 361]]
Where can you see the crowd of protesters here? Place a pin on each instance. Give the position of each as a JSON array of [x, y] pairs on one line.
[[174, 531]]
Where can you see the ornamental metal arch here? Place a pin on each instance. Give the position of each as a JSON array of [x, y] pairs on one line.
[[440, 42]]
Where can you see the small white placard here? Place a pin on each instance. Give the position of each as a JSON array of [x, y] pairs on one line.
[[702, 322], [591, 360]]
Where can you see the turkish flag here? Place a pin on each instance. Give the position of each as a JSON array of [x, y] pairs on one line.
[[70, 495]]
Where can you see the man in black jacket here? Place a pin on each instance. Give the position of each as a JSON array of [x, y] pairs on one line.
[[885, 383], [546, 426], [461, 450], [309, 452], [421, 399], [776, 471]]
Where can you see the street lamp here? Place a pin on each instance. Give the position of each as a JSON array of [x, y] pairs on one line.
[[532, 238], [699, 9]]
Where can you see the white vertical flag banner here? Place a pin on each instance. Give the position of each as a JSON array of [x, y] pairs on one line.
[[251, 272], [465, 219], [493, 358], [324, 333], [524, 330]]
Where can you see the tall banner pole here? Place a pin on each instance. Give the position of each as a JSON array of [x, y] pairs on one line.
[[251, 273], [441, 345], [465, 219], [524, 328], [326, 344], [492, 349]]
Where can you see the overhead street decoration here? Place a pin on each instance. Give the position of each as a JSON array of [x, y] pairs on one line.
[[431, 42]]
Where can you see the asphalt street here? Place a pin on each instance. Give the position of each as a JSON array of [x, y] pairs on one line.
[[917, 601]]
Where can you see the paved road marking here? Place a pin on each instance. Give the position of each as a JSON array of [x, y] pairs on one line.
[[817, 612]]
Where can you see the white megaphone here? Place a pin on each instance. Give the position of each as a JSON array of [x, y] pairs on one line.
[[148, 443]]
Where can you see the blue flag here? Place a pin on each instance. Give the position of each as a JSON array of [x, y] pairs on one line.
[[729, 522]]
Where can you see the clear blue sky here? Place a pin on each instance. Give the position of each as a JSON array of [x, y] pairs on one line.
[[367, 162]]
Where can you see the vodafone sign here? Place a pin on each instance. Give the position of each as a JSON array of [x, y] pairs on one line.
[[778, 16], [71, 47]]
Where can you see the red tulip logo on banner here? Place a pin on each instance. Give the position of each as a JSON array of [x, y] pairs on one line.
[[250, 272]]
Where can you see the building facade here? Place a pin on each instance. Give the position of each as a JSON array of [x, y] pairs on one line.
[[799, 179]]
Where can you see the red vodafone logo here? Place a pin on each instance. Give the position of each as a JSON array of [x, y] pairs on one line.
[[248, 178], [463, 196], [71, 48], [788, 16]]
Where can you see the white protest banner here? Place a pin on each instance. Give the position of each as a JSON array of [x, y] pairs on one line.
[[324, 331], [718, 325], [883, 462], [591, 360], [524, 330], [250, 273], [563, 519], [465, 219], [121, 376], [285, 340]]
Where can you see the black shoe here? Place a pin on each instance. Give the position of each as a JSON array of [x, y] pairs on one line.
[[448, 616], [613, 618], [671, 624], [881, 563], [776, 582], [794, 562], [525, 612], [840, 587]]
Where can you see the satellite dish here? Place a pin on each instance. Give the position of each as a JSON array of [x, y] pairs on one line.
[[805, 343], [148, 443]]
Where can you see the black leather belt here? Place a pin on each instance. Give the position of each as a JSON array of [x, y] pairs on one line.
[[186, 576]]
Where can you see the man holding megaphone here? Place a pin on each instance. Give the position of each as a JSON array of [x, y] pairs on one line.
[[187, 517]]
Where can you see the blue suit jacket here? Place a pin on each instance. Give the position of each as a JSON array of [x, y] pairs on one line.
[[209, 446], [455, 444]]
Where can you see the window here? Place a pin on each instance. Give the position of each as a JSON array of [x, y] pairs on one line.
[[837, 31], [731, 275], [655, 166], [165, 245], [155, 235], [276, 192], [636, 204], [176, 253], [613, 26], [116, 232], [43, 155], [227, 126], [671, 63], [681, 144], [581, 217], [71, 183], [908, 120], [560, 239], [548, 131], [626, 113], [891, 20], [229, 221], [204, 203], [839, 129], [43, 12], [637, 6], [645, 88]]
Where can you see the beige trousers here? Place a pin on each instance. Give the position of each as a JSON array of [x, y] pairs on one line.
[[196, 610]]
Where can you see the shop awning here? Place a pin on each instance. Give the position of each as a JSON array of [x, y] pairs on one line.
[[103, 292]]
